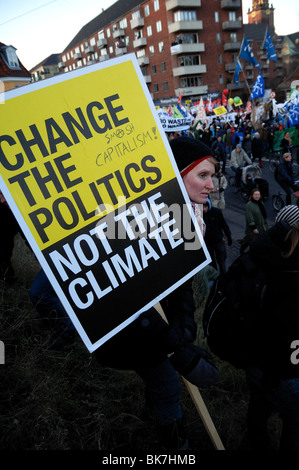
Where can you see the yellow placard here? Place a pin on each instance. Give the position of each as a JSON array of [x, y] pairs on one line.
[[81, 143], [220, 110]]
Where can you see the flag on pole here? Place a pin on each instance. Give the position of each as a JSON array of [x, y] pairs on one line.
[[201, 114], [180, 97], [248, 108], [237, 71], [247, 54], [268, 45], [258, 89], [210, 106]]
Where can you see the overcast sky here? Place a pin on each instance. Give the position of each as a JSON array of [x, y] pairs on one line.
[[39, 28]]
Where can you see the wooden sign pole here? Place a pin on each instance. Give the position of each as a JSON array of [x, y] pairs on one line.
[[199, 403]]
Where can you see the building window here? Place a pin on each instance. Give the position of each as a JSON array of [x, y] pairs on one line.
[[232, 16], [188, 60], [191, 82], [82, 47], [221, 79], [140, 53], [92, 41], [216, 17], [154, 69], [156, 88], [233, 37], [156, 5], [108, 33], [161, 46], [163, 67], [187, 15], [111, 49], [149, 31], [218, 38], [159, 26], [146, 10], [165, 86], [187, 38], [220, 59], [123, 23], [151, 50], [127, 40], [136, 15]]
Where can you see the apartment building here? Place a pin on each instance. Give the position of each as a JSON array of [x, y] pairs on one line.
[[46, 69], [182, 46]]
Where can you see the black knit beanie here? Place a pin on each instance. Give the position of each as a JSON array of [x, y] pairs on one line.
[[189, 152]]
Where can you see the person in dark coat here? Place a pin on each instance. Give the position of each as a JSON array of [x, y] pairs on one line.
[[218, 148], [284, 176], [257, 149], [273, 378], [216, 229]]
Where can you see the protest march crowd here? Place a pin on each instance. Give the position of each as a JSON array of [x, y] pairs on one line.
[[205, 154]]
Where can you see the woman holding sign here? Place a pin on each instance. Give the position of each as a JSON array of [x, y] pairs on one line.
[[157, 350]]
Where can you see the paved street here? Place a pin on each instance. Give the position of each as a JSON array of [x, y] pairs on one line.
[[234, 212]]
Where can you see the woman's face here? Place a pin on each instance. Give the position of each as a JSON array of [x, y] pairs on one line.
[[198, 181], [256, 195]]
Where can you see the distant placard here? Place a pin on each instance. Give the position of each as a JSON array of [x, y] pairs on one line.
[[88, 172]]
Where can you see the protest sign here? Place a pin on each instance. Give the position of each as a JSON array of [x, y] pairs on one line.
[[87, 170]]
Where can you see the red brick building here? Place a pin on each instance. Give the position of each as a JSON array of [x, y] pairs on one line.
[[188, 46], [185, 46]]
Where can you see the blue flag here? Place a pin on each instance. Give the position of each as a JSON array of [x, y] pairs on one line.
[[237, 71], [268, 45], [293, 113], [258, 89], [247, 54]]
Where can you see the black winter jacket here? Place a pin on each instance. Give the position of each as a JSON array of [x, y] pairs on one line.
[[279, 326]]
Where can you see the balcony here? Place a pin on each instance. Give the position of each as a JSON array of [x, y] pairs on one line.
[[233, 86], [192, 90], [231, 25], [187, 48], [184, 26], [102, 43], [189, 70], [89, 50], [174, 4], [78, 56], [143, 61], [61, 65], [230, 4], [232, 46], [231, 67], [137, 23], [140, 42], [120, 50], [118, 33], [147, 78], [104, 57]]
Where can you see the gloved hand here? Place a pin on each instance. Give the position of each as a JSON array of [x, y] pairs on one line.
[[192, 362]]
